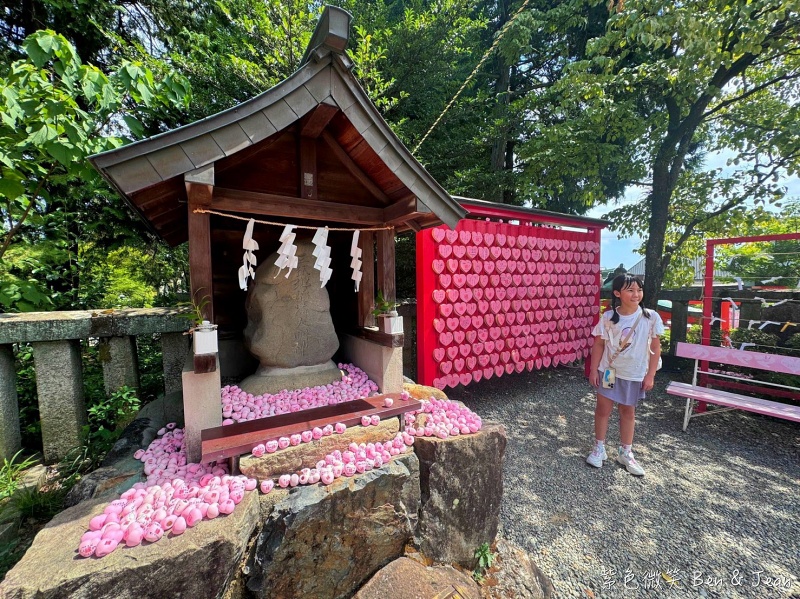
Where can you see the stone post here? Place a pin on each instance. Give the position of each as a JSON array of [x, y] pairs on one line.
[[10, 441], [677, 329], [174, 349], [384, 365], [201, 405], [59, 385], [120, 363], [750, 310]]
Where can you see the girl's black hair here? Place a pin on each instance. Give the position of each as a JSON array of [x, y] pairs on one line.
[[619, 283]]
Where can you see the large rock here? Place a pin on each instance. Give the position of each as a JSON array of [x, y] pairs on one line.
[[289, 326], [461, 481], [325, 542], [515, 575], [409, 579], [119, 469], [423, 391], [306, 455], [200, 563]]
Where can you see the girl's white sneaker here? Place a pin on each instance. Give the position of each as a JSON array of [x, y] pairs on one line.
[[597, 456], [626, 459]]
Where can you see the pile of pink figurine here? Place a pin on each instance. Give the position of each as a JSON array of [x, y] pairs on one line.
[[444, 419], [240, 406], [357, 459], [177, 495]]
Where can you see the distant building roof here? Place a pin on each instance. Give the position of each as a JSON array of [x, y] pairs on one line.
[[698, 264]]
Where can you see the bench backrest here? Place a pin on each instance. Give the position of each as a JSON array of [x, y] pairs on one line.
[[736, 357]]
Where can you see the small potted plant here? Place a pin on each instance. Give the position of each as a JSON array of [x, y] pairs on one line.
[[388, 320], [204, 334]]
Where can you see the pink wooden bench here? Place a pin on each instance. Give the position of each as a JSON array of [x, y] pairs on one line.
[[734, 401]]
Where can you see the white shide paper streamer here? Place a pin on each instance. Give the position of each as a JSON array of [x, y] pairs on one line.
[[246, 270], [355, 263]]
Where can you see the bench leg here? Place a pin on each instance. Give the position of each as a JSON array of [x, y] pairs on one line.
[[688, 414]]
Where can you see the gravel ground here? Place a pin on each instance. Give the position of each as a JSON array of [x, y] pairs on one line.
[[717, 508]]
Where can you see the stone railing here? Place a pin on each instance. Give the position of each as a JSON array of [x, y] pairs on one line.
[[55, 339]]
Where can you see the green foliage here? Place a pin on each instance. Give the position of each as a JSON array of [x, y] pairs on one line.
[[383, 306], [485, 556], [11, 471], [660, 86], [54, 112], [10, 554], [406, 266], [107, 419], [30, 425], [196, 315], [665, 342], [485, 559], [694, 335], [34, 504], [793, 343]]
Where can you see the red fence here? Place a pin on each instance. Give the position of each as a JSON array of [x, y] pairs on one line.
[[496, 298]]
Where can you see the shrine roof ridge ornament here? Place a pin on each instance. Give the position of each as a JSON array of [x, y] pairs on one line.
[[332, 33], [149, 174]]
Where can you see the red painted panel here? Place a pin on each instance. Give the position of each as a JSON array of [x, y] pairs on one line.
[[495, 299]]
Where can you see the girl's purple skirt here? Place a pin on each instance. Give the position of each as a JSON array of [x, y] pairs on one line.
[[627, 393]]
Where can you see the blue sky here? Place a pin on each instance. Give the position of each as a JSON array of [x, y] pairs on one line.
[[615, 251]]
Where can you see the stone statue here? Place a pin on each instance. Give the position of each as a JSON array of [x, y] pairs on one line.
[[289, 327]]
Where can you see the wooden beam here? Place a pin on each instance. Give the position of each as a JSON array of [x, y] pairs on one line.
[[236, 439], [314, 123], [201, 279], [413, 225], [399, 211], [386, 252], [354, 169], [366, 290], [308, 168], [268, 204]]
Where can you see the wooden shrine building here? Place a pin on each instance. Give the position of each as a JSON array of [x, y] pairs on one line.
[[313, 150]]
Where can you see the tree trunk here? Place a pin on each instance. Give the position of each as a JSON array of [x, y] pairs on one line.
[[655, 263], [500, 112]]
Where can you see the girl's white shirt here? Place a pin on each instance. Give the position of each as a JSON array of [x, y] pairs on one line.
[[631, 363]]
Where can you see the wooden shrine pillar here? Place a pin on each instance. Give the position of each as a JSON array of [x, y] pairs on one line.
[[386, 253], [366, 290], [199, 191]]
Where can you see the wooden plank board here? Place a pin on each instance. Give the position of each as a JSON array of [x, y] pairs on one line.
[[222, 442], [267, 204], [315, 122], [308, 168], [386, 262], [353, 168], [200, 247], [736, 357], [733, 400], [366, 291]]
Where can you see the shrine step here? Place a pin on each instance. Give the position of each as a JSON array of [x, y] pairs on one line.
[[233, 440]]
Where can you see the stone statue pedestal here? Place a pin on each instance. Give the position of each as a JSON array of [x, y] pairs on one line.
[[270, 379]]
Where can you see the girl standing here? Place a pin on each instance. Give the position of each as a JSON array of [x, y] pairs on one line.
[[625, 358]]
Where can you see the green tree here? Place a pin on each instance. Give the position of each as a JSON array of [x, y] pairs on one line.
[[663, 85], [55, 112]]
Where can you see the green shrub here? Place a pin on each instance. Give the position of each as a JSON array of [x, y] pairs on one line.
[[11, 471]]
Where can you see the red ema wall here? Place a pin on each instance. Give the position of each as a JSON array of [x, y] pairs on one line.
[[497, 298]]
